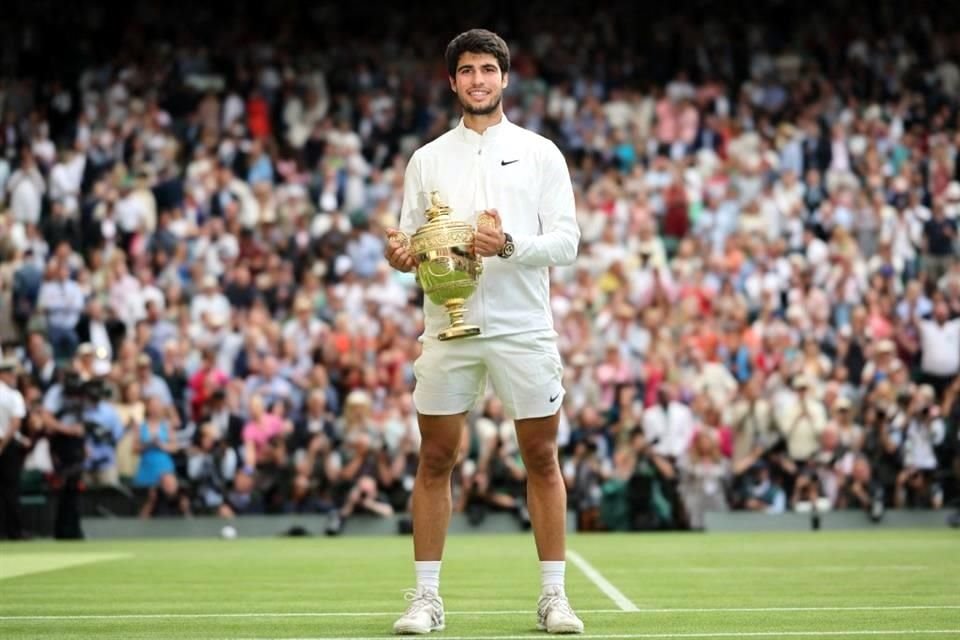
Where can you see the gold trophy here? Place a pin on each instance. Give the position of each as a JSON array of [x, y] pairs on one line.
[[448, 269]]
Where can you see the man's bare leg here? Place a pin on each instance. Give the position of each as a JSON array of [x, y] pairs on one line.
[[547, 501], [432, 503], [546, 492]]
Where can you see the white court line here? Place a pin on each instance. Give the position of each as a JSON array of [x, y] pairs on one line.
[[825, 568], [705, 634], [378, 614], [602, 583]]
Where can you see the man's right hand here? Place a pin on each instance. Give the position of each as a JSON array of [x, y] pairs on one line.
[[398, 254]]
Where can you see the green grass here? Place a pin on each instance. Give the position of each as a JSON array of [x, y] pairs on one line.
[[875, 584]]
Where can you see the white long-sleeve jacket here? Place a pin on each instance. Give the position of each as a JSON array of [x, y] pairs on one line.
[[525, 178]]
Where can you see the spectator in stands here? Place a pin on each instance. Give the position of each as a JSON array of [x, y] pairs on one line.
[[704, 477], [15, 440], [156, 446], [218, 244], [61, 300]]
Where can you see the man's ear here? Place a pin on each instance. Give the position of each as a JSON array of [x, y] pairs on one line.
[[506, 80], [453, 83]]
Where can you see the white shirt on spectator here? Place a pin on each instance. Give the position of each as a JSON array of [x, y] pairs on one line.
[[802, 433], [131, 213], [26, 190], [11, 406], [214, 253], [62, 301], [215, 304], [304, 337], [672, 428], [66, 179], [940, 346], [126, 300], [100, 339], [151, 293], [919, 442]]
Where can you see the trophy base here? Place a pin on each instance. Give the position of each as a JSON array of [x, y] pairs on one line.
[[460, 331]]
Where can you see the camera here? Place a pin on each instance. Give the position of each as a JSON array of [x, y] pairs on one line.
[[98, 433]]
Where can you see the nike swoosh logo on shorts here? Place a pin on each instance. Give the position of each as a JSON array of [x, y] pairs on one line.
[[504, 163], [553, 398]]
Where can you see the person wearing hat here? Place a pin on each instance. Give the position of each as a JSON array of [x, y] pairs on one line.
[[84, 360], [849, 432], [12, 412], [802, 421]]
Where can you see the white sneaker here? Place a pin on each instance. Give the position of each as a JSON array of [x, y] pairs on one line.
[[554, 614], [425, 613]]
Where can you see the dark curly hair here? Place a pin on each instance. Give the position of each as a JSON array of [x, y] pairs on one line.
[[477, 41]]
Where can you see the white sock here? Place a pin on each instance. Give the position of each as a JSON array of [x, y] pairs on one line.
[[428, 574], [551, 574]]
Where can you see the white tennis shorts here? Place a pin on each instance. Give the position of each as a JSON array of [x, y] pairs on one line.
[[525, 370]]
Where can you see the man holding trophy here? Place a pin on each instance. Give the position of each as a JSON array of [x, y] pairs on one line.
[[488, 208]]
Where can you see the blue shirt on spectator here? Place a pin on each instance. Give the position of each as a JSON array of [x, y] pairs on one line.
[[103, 455]]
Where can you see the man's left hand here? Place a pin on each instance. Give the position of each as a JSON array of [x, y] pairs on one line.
[[489, 239]]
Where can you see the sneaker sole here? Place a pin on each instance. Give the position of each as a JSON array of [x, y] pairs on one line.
[[560, 630], [407, 631]]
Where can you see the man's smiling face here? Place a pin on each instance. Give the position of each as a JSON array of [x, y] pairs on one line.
[[479, 83]]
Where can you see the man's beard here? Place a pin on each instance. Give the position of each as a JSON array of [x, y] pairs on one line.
[[481, 111]]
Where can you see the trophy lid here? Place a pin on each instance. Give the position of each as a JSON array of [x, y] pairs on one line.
[[437, 208]]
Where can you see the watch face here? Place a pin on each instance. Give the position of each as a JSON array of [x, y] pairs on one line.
[[507, 249]]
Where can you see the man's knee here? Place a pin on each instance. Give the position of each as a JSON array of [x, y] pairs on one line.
[[540, 459], [438, 458]]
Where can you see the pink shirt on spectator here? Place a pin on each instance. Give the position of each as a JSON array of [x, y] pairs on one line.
[[260, 434]]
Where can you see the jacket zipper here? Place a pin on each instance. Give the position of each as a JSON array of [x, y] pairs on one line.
[[481, 285]]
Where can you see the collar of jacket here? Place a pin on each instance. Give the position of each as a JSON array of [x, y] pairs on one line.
[[491, 133]]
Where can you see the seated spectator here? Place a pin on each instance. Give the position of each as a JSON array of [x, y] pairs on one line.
[[760, 492]]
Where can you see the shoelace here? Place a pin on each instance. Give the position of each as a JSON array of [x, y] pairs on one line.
[[559, 601], [419, 600]]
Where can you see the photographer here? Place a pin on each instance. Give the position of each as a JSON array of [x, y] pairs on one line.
[[917, 484], [883, 426], [824, 474], [14, 444], [500, 481], [358, 467], [649, 489], [211, 464], [758, 491], [585, 473], [104, 429], [64, 409], [858, 489]]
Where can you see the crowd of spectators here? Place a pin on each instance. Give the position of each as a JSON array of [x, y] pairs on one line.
[[764, 314]]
